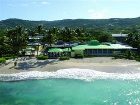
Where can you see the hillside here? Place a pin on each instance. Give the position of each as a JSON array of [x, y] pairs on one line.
[[87, 23]]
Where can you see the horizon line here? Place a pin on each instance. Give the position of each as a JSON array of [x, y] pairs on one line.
[[72, 19]]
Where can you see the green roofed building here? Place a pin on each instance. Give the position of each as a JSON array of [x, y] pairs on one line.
[[55, 52], [94, 48], [66, 50], [58, 52]]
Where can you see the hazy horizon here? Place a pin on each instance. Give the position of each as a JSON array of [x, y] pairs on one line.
[[67, 19]]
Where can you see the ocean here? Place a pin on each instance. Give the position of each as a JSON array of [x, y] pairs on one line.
[[120, 90]]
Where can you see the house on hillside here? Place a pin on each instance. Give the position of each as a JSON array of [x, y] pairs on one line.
[[120, 37]]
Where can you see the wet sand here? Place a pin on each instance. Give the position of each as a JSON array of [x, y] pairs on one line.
[[103, 64]]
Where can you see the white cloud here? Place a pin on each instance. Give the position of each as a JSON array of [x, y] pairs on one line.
[[100, 14], [40, 2], [44, 2]]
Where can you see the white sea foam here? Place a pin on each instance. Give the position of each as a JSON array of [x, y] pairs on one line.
[[73, 73]]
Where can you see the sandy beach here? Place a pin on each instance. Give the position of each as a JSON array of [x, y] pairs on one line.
[[103, 64]]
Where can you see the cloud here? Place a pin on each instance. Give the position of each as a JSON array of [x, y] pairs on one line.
[[44, 2], [100, 14], [40, 2]]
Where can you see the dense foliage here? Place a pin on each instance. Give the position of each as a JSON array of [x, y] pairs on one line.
[[42, 57], [133, 38], [79, 56], [13, 40]]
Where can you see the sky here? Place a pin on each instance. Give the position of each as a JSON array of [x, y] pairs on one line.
[[68, 9]]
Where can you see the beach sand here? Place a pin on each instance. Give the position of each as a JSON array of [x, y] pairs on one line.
[[103, 64]]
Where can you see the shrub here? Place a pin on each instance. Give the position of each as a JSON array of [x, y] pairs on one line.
[[137, 59], [79, 56], [64, 58], [2, 60], [9, 57], [42, 57]]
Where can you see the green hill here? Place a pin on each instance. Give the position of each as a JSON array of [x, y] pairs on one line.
[[87, 23]]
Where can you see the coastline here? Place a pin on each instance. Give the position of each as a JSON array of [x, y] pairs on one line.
[[85, 69], [102, 64]]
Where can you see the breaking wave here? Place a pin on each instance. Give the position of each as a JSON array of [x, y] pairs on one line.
[[73, 73]]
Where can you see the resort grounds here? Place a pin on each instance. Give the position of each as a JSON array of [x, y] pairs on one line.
[[103, 64]]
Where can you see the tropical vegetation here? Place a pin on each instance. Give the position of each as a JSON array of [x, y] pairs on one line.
[[14, 40], [42, 57]]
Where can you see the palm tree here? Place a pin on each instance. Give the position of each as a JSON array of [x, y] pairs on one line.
[[40, 30], [50, 37], [17, 39], [133, 38]]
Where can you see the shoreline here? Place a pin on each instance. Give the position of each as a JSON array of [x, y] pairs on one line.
[[102, 64], [73, 73], [85, 69]]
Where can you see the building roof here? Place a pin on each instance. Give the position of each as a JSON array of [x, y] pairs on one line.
[[66, 50], [55, 50], [34, 44], [119, 35], [36, 37], [102, 46]]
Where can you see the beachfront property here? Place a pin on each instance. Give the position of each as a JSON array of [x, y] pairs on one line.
[[120, 37], [34, 45], [92, 48]]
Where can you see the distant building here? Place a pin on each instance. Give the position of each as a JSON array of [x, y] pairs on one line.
[[120, 37]]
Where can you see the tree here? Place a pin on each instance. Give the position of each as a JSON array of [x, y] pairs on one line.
[[50, 36], [133, 38], [39, 31], [4, 47], [17, 39], [105, 38]]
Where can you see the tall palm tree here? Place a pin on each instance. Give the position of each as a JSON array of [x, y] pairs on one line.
[[17, 39], [68, 34], [40, 31], [50, 37]]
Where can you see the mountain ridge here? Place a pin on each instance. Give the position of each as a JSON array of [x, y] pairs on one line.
[[87, 23]]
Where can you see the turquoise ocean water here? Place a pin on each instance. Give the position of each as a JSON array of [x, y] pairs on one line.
[[70, 92]]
